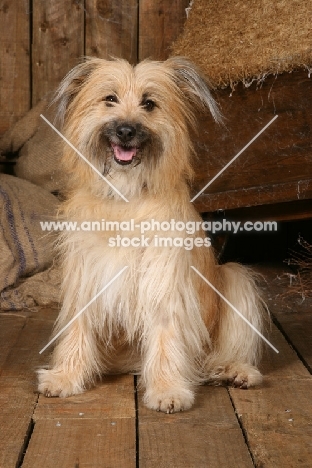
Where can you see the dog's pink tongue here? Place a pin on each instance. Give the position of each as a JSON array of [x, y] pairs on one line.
[[124, 154]]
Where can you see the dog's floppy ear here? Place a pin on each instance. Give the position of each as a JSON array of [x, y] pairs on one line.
[[71, 85], [194, 85]]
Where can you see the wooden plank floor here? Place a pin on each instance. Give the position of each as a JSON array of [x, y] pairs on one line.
[[108, 426]]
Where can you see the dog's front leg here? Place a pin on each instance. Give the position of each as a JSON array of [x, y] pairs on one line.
[[74, 363], [167, 371]]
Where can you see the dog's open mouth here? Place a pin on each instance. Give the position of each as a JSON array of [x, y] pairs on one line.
[[124, 155]]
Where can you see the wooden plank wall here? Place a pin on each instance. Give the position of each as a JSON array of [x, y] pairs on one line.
[[15, 61], [40, 41], [58, 39]]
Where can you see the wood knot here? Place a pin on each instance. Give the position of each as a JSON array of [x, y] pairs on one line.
[[44, 26], [104, 9]]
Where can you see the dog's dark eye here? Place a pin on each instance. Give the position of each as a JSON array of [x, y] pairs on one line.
[[109, 100], [148, 105]]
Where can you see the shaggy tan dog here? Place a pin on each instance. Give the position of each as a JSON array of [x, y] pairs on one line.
[[159, 317]]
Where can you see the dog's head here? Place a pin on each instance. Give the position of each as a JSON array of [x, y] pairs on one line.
[[126, 119]]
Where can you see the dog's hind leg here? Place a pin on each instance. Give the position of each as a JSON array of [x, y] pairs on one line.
[[238, 347]]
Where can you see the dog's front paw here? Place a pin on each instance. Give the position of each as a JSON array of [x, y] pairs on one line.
[[169, 401], [55, 383]]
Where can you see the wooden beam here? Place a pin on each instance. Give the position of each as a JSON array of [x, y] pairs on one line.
[[293, 210], [260, 195]]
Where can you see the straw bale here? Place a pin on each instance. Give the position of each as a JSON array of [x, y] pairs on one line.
[[242, 41]]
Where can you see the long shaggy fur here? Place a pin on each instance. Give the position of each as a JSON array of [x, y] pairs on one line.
[[159, 318]]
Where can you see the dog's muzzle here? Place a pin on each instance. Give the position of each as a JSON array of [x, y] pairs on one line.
[[126, 140], [125, 152]]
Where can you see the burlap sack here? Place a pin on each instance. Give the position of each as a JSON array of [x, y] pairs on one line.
[[23, 130], [42, 289], [38, 148], [25, 249]]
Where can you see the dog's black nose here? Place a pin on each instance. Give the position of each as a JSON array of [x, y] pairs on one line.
[[125, 133]]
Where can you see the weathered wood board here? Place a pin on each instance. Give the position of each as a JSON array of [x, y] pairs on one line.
[[15, 89], [292, 311], [277, 166], [18, 382], [111, 399], [277, 421], [96, 428], [277, 417], [10, 328], [58, 43], [208, 435], [111, 29], [82, 443], [160, 23]]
